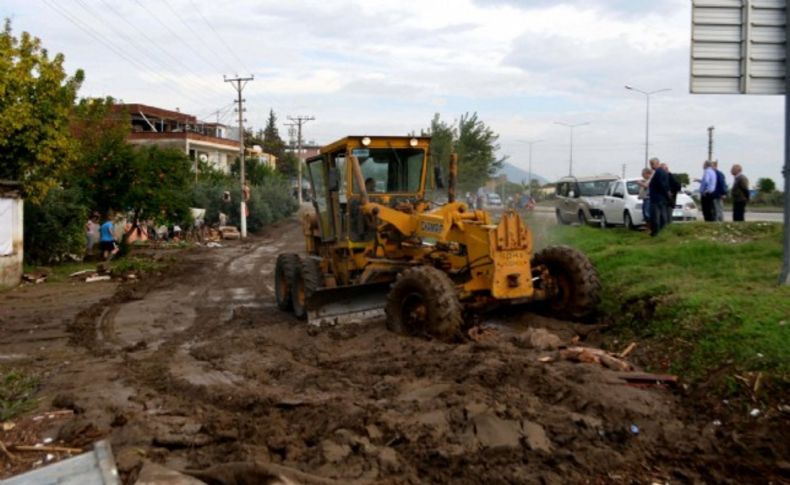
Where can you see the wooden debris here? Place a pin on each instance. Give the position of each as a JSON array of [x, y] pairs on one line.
[[79, 273], [627, 350], [481, 334], [546, 359], [589, 355], [47, 449], [647, 379], [11, 456], [92, 279]]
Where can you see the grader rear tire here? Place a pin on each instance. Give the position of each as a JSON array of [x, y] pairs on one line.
[[307, 280], [284, 271], [577, 279], [424, 301]]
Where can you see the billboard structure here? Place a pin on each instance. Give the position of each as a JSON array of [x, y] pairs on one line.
[[741, 47]]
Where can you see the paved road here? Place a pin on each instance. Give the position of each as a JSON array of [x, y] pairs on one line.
[[545, 213]]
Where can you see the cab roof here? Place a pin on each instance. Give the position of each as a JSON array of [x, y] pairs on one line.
[[357, 140]]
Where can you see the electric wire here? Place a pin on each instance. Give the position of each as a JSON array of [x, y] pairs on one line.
[[159, 49], [147, 54], [119, 52], [174, 34], [221, 39]]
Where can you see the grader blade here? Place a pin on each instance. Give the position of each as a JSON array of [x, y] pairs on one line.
[[347, 304]]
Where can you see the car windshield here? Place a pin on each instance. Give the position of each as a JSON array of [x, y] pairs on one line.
[[593, 188], [390, 170], [633, 187]]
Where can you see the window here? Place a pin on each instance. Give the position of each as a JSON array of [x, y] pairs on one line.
[[593, 188], [633, 187], [318, 182], [618, 190], [391, 170]]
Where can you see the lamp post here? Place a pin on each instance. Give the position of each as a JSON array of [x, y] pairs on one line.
[[647, 95], [530, 143], [571, 127]]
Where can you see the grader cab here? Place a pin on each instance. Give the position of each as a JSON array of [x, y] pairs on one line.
[[375, 245]]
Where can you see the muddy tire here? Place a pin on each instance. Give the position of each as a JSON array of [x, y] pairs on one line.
[[284, 272], [307, 280], [627, 221], [424, 301], [579, 289]]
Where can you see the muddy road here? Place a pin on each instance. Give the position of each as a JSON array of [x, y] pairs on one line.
[[197, 367]]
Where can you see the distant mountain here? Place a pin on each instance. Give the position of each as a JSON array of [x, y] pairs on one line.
[[516, 174]]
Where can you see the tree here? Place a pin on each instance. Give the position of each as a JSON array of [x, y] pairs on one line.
[[476, 146], [159, 184], [272, 143], [36, 98], [288, 165], [682, 178], [442, 140], [765, 185]]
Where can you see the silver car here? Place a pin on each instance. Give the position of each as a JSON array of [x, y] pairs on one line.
[[580, 199]]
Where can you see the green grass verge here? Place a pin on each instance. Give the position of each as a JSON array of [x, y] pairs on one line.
[[704, 296], [16, 393]]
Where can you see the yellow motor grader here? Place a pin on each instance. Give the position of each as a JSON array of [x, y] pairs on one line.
[[375, 243]]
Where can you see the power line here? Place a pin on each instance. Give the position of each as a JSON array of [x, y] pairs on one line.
[[109, 45], [221, 39], [146, 53], [174, 34], [299, 121], [159, 49], [197, 35], [238, 84]]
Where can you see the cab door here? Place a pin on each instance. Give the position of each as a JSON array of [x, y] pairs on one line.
[[317, 168]]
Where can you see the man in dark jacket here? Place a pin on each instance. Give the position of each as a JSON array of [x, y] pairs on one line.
[[740, 193], [674, 190], [658, 191]]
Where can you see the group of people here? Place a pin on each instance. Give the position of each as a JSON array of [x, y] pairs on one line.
[[103, 234], [659, 189], [713, 189]]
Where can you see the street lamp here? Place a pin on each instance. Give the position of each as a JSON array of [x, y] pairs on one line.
[[571, 127], [647, 112], [530, 143]]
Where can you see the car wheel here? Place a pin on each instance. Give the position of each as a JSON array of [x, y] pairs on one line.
[[560, 219], [604, 224], [582, 218], [627, 221]]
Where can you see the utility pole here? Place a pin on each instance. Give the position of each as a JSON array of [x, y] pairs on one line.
[[623, 170], [529, 182], [238, 84], [299, 121], [647, 95], [571, 127], [710, 143]]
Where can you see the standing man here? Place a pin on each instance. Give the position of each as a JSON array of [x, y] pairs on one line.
[[658, 191], [674, 189], [740, 193], [646, 174], [707, 186], [719, 193]]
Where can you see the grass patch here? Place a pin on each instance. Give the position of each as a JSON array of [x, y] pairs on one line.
[[706, 295], [16, 393]]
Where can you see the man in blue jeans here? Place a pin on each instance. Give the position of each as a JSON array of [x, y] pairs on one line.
[[107, 239], [658, 193]]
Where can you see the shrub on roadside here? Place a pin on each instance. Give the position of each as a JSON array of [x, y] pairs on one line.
[[54, 229]]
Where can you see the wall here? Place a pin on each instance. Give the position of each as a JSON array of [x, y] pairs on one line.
[[11, 241]]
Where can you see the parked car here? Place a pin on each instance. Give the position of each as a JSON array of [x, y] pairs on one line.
[[621, 204], [493, 200], [581, 199], [685, 208]]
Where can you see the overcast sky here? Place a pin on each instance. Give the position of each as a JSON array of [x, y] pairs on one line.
[[386, 66]]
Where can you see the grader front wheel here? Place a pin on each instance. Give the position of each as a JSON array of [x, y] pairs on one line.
[[423, 300], [307, 280], [576, 281], [284, 272]]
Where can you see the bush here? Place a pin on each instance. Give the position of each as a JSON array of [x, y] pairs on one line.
[[270, 201], [54, 229]]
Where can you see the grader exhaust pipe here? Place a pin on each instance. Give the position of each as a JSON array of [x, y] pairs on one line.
[[452, 180]]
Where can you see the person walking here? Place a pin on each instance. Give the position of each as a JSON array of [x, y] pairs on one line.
[[740, 193], [91, 233], [719, 193], [707, 186], [658, 192], [107, 242]]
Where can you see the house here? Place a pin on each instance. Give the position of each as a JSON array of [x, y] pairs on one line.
[[11, 234], [214, 143]]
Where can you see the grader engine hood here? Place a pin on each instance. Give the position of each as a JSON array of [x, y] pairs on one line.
[[511, 250]]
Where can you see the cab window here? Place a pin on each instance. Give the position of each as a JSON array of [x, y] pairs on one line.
[[390, 170]]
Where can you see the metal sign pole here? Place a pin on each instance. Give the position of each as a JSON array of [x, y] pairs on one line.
[[784, 278]]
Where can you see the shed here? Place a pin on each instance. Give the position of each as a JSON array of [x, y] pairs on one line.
[[11, 233]]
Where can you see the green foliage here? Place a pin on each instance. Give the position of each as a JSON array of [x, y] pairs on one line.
[[16, 393], [682, 178], [702, 296], [54, 228], [288, 165], [475, 143], [272, 143], [765, 185], [769, 199], [36, 97], [160, 184]]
